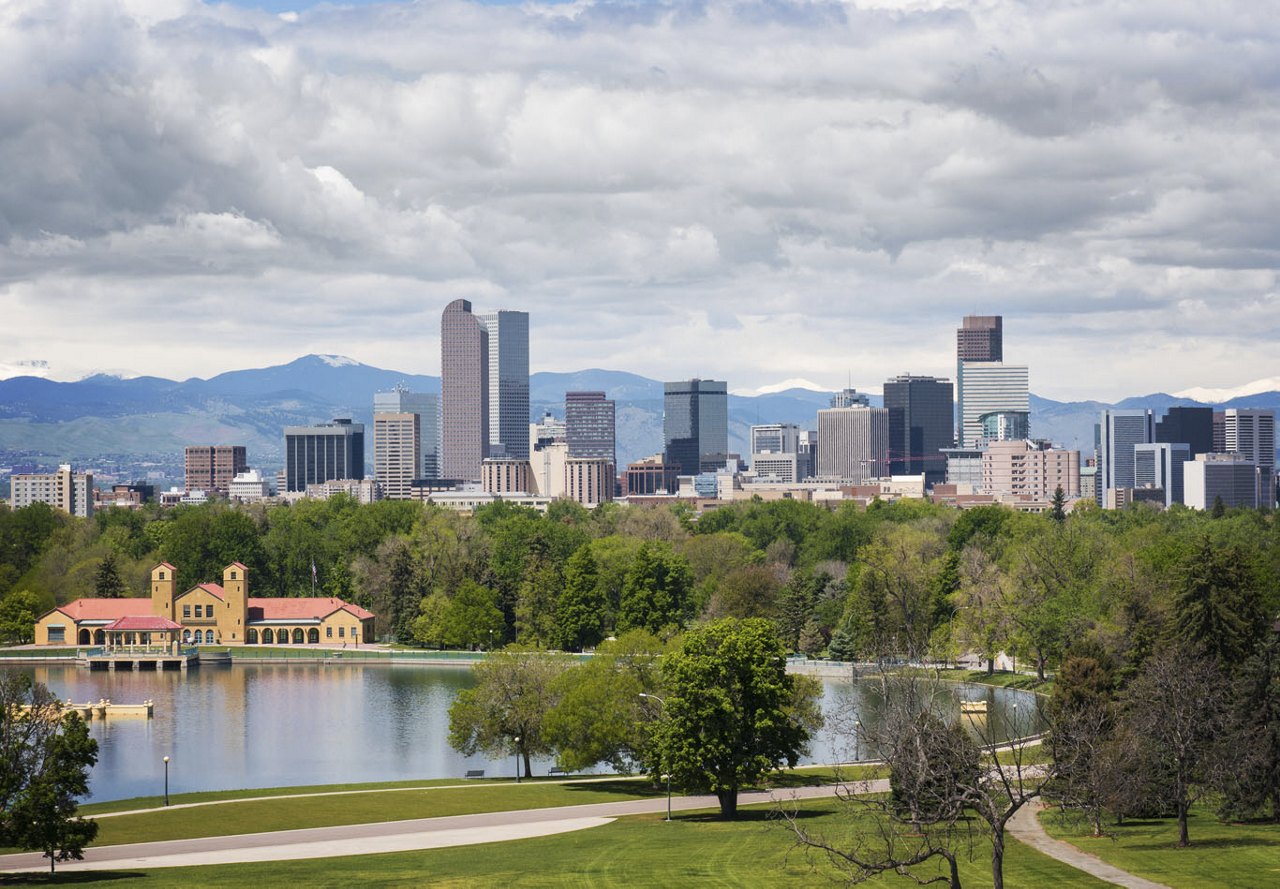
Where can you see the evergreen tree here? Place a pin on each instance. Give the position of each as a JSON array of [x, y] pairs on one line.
[[657, 592], [402, 595], [1058, 511], [107, 583], [1218, 606], [1251, 744], [1219, 509], [580, 611]]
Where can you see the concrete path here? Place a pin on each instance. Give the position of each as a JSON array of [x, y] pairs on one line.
[[393, 836], [1026, 827]]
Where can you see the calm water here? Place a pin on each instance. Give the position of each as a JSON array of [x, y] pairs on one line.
[[271, 725]]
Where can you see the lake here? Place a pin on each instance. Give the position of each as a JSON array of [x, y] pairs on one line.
[[274, 725]]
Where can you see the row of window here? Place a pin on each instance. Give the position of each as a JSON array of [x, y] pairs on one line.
[[193, 636], [201, 611]]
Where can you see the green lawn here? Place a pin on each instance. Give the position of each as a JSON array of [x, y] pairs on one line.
[[1220, 855], [695, 849]]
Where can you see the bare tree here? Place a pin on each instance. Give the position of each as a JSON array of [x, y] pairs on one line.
[[1174, 710]]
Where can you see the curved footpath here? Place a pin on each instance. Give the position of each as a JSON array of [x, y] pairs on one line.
[[1026, 827], [388, 836]]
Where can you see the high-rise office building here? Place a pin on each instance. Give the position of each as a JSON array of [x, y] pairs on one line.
[[980, 338], [853, 444], [850, 398], [397, 453], [775, 452], [324, 452], [1005, 426], [72, 492], [427, 407], [775, 438], [1227, 476], [695, 422], [920, 425], [989, 387], [1192, 426], [1030, 469], [464, 392], [508, 382], [1118, 431], [589, 425], [211, 468], [1250, 433], [1159, 465]]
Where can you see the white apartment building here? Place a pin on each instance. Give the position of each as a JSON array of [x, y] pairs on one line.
[[72, 492]]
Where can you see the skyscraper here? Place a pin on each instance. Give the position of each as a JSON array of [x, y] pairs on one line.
[[989, 387], [849, 398], [1251, 434], [464, 392], [321, 453], [853, 443], [589, 425], [920, 425], [980, 338], [211, 468], [775, 452], [427, 407], [1159, 465], [397, 453], [508, 382], [695, 422], [1118, 431], [1192, 426]]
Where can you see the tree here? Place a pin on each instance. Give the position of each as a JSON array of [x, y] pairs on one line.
[[473, 618], [1058, 511], [18, 617], [1082, 725], [45, 757], [656, 592], [107, 583], [536, 605], [1218, 607], [403, 594], [1250, 744], [1174, 712], [731, 711], [505, 711], [581, 608]]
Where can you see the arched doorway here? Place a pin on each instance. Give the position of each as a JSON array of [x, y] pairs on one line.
[[282, 636], [186, 637], [99, 638], [297, 635], [268, 637], [251, 637], [313, 636], [84, 637], [208, 637]]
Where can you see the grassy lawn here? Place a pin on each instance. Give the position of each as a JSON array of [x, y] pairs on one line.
[[1220, 855], [427, 799], [696, 849]]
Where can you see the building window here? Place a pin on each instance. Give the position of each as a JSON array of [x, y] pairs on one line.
[[186, 610], [208, 637], [328, 632], [233, 575], [162, 575], [342, 632], [57, 633]]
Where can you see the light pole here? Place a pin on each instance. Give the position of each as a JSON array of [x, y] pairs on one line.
[[517, 759], [668, 774], [166, 780]]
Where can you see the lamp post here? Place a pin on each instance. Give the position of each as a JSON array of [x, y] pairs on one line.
[[668, 774], [517, 759], [166, 780]]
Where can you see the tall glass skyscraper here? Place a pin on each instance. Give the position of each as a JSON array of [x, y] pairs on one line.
[[427, 407], [317, 454], [589, 425], [695, 422], [920, 426], [1119, 430], [508, 382]]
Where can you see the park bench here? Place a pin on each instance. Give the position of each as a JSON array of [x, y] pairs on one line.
[[558, 772], [475, 773]]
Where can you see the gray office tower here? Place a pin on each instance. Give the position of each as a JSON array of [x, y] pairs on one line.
[[427, 407], [320, 453], [589, 425], [508, 383], [920, 425], [1118, 432], [464, 392], [695, 422], [1159, 465], [1192, 426]]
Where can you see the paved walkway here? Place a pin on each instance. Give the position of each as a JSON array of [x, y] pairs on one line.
[[393, 836], [1026, 827]]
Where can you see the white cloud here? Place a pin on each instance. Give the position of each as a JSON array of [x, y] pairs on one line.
[[746, 190]]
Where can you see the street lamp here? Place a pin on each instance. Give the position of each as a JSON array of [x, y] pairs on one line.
[[517, 759], [668, 774], [166, 780]]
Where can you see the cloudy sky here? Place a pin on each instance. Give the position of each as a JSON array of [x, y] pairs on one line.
[[753, 191]]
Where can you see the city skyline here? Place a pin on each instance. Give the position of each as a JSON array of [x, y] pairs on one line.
[[773, 181]]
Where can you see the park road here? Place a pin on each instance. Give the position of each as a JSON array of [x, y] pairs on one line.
[[391, 836]]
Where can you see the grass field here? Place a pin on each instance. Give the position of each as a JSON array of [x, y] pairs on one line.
[[1220, 855], [695, 850]]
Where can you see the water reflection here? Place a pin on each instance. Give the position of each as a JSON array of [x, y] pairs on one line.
[[268, 725]]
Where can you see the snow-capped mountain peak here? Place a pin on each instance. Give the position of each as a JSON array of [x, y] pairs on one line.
[[1217, 396]]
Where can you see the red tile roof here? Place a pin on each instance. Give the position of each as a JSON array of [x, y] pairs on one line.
[[301, 609], [144, 624], [212, 589], [165, 565], [105, 609], [241, 565]]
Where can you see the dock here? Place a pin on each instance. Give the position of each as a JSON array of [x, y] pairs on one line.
[[138, 658]]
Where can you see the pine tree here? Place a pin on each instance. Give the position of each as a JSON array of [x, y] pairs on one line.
[[107, 583], [580, 611], [1058, 512]]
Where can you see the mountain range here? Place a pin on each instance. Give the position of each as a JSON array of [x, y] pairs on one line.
[[106, 415]]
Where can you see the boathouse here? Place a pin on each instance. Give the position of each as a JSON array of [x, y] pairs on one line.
[[206, 614]]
